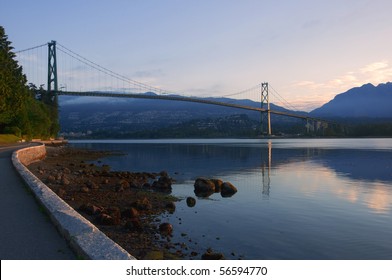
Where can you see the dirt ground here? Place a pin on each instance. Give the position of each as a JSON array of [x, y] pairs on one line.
[[126, 206]]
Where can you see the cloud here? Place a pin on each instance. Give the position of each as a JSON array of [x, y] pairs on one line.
[[374, 67], [309, 93]]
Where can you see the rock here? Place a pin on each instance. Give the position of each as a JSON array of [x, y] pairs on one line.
[[166, 228], [61, 193], [116, 214], [164, 183], [154, 255], [142, 204], [110, 217], [91, 184], [90, 209], [66, 170], [218, 184], [51, 179], [204, 187], [228, 189], [130, 213], [171, 206], [190, 201], [106, 219], [134, 224], [124, 184], [84, 189], [210, 255], [65, 181]]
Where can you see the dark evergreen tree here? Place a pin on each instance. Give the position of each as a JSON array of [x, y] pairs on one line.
[[12, 84], [24, 110]]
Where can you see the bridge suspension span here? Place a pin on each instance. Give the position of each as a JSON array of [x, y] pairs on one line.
[[71, 74]]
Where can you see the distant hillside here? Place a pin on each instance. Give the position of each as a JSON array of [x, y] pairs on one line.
[[367, 101], [92, 115]]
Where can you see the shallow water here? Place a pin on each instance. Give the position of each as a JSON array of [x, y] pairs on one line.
[[296, 199]]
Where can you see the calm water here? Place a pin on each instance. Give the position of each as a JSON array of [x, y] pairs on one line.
[[296, 199]]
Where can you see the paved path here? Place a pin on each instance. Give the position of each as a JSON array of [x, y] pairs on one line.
[[26, 233]]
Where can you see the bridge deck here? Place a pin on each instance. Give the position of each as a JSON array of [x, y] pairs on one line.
[[186, 99]]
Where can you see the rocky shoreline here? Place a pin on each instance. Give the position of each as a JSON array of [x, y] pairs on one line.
[[126, 206], [123, 205]]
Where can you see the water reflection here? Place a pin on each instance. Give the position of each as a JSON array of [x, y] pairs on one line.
[[306, 201]]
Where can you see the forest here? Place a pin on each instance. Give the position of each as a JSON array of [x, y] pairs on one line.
[[25, 111]]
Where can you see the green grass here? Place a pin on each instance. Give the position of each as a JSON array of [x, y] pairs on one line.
[[8, 139]]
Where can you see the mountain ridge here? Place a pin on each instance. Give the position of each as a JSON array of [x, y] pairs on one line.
[[366, 101]]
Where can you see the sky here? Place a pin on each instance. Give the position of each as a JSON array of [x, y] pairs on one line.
[[307, 50]]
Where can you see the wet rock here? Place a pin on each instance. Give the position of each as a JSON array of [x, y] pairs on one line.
[[106, 219], [130, 213], [65, 181], [66, 170], [164, 183], [154, 255], [92, 185], [211, 255], [61, 193], [190, 201], [124, 184], [115, 213], [133, 225], [227, 189], [51, 179], [142, 204], [218, 184], [90, 209], [84, 189], [204, 187], [166, 228], [110, 217], [171, 206]]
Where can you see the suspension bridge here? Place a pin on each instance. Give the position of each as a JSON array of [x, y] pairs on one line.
[[66, 73]]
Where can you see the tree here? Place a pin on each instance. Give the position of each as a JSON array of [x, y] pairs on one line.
[[24, 110], [12, 83]]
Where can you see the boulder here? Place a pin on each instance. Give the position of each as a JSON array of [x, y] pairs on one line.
[[228, 190], [211, 255], [166, 228], [171, 207], [130, 213], [190, 201], [133, 224], [218, 184], [142, 204], [204, 187], [90, 209]]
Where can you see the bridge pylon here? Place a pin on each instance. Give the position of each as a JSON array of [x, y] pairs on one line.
[[52, 71], [265, 115]]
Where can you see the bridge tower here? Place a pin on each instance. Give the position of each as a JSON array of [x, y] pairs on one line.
[[265, 116], [52, 71]]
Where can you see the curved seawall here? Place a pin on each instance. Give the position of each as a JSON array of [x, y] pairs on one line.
[[84, 238]]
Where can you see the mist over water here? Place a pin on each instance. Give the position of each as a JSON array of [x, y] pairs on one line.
[[296, 199]]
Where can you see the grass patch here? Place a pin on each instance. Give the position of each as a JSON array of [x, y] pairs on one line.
[[8, 139]]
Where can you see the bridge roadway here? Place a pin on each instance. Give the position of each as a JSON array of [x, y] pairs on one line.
[[186, 99]]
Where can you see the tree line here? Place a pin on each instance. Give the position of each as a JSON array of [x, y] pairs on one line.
[[25, 110]]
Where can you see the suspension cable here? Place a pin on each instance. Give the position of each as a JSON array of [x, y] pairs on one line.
[[284, 101], [32, 48]]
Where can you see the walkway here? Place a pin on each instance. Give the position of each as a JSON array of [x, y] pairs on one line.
[[26, 232]]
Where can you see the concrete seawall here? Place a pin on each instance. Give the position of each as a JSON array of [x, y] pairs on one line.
[[84, 238]]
